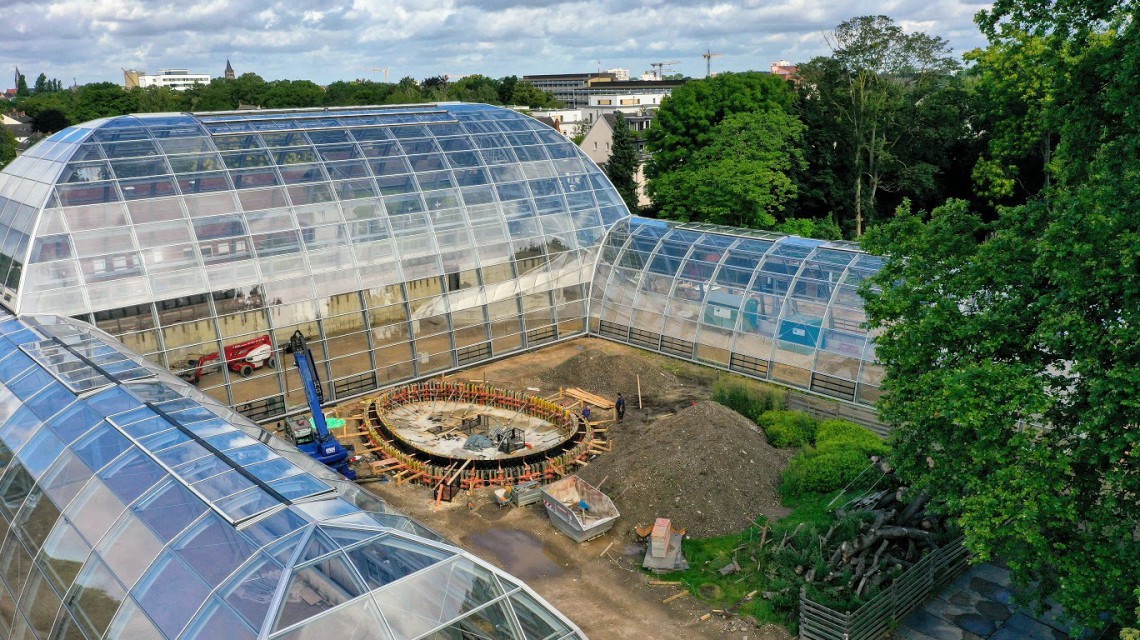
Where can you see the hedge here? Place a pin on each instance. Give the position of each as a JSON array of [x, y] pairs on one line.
[[786, 429]]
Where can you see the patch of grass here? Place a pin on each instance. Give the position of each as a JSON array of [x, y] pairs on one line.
[[707, 556], [749, 399]]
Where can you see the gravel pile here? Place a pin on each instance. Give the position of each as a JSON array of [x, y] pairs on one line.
[[707, 468]]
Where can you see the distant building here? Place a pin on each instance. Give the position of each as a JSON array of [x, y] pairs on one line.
[[783, 68], [598, 145], [229, 71], [634, 97], [177, 79], [20, 126], [569, 88], [566, 121], [620, 75]]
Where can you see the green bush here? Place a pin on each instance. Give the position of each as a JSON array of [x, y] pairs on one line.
[[813, 471], [788, 428], [843, 435], [747, 399]]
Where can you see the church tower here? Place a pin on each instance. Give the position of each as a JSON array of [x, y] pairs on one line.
[[229, 70]]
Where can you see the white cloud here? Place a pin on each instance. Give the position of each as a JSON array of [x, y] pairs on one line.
[[327, 40]]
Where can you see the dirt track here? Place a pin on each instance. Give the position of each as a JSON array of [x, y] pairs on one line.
[[608, 596]]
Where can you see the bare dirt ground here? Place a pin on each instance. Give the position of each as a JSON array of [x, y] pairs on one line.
[[677, 456]]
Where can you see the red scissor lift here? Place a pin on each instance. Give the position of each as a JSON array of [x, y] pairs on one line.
[[241, 358]]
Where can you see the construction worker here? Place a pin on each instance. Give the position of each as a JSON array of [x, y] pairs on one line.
[[619, 406], [586, 413]]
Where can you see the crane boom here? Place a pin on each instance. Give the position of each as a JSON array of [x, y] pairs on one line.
[[318, 442], [708, 55]]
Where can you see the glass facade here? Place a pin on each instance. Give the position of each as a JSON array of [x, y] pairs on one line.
[[402, 241], [134, 506], [769, 306]]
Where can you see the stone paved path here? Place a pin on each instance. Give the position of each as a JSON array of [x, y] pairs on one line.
[[978, 605]]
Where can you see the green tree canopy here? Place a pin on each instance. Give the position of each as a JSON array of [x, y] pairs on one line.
[[102, 100], [621, 168], [742, 176], [1016, 99], [49, 121], [531, 96], [293, 94], [887, 100], [686, 119], [7, 146]]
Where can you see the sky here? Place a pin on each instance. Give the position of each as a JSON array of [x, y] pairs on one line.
[[87, 41]]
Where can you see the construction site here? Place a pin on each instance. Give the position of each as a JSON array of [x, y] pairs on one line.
[[675, 455]]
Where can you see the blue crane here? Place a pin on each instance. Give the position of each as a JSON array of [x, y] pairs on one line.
[[314, 437]]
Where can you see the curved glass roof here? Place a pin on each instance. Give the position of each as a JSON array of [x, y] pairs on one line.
[[403, 241], [769, 306], [133, 506]]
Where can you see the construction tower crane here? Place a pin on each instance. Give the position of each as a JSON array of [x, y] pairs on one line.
[[708, 55], [659, 67], [383, 70]]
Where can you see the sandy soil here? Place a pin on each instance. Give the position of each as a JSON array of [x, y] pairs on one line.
[[598, 584]]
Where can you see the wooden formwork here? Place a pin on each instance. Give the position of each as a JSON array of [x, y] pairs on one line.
[[407, 468]]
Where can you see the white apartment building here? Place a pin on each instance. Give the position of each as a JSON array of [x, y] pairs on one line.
[[177, 79]]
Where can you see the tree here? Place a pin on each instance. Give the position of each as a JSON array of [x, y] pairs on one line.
[[1016, 98], [102, 100], [621, 168], [435, 88], [49, 121], [22, 86], [819, 228], [292, 94], [1011, 348], [1010, 352], [877, 84], [7, 146], [742, 176], [507, 88], [475, 88], [41, 84], [160, 99], [531, 96], [685, 121]]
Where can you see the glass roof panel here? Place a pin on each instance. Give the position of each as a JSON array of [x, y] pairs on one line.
[[436, 596], [251, 591], [358, 620], [213, 549], [217, 620], [393, 557], [537, 622], [170, 594], [317, 587]]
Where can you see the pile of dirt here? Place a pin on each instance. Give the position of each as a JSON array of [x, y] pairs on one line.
[[607, 374], [707, 468]]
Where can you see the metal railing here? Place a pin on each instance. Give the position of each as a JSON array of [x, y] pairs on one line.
[[878, 616]]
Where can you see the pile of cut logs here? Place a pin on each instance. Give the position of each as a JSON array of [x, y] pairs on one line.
[[897, 531]]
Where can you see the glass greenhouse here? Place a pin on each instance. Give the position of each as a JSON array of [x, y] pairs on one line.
[[402, 241], [769, 306], [134, 506]]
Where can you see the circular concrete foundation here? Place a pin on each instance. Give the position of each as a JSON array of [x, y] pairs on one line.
[[444, 433]]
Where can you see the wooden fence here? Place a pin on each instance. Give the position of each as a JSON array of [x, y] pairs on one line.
[[875, 618]]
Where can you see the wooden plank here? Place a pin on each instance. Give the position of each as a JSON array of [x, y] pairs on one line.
[[675, 596], [586, 396]]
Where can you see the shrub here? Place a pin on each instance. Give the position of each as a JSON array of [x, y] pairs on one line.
[[788, 428], [747, 399], [843, 435], [813, 471]]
